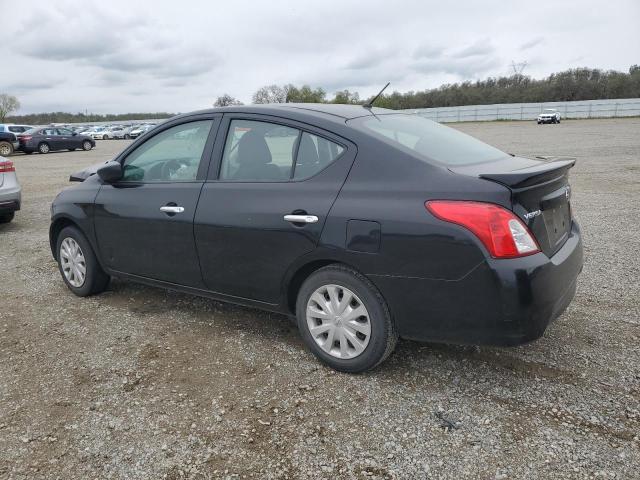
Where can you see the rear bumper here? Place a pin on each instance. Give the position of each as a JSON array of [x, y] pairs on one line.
[[500, 302]]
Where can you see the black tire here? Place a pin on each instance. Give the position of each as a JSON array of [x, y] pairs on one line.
[[72, 149], [44, 148], [86, 145], [6, 149], [28, 152], [127, 136], [104, 137], [96, 280], [7, 217], [383, 337]]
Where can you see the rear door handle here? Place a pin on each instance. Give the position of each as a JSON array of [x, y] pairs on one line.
[[171, 209], [301, 218]]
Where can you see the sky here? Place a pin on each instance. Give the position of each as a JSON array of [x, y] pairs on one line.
[[176, 56]]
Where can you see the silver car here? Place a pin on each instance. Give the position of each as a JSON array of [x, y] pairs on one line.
[[10, 190]]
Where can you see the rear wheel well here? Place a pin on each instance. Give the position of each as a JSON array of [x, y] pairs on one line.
[[55, 230], [300, 276]]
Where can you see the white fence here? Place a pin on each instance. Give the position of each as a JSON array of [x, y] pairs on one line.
[[622, 107]]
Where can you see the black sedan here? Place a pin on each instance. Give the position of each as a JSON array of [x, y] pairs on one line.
[[49, 139], [365, 224]]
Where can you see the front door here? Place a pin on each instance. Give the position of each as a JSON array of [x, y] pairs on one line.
[[266, 204], [144, 222], [65, 138]]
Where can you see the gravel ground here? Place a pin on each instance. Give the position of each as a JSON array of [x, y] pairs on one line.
[[143, 383]]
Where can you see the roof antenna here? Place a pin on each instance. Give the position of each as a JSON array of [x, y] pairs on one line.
[[370, 103]]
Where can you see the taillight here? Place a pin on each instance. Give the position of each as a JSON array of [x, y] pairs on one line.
[[502, 233], [24, 138], [6, 167]]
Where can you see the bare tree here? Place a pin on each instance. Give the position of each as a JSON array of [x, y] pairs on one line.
[[271, 94], [227, 100], [8, 104]]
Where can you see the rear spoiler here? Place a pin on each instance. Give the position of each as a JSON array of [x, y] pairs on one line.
[[551, 168]]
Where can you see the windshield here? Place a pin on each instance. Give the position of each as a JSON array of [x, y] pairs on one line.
[[429, 139]]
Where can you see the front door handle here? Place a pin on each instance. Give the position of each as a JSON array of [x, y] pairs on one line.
[[301, 218], [171, 209]]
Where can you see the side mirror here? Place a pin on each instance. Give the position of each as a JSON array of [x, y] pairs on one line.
[[74, 133], [110, 172]]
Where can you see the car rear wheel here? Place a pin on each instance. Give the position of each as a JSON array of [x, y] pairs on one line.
[[127, 136], [7, 217], [78, 264], [72, 149], [86, 145], [6, 149], [104, 137], [44, 148], [344, 320]]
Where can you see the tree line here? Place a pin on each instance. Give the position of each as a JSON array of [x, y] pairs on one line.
[[65, 117], [570, 85], [574, 84]]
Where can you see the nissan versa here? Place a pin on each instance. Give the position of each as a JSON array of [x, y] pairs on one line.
[[366, 224]]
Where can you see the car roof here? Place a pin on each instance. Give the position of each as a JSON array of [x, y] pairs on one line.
[[340, 111]]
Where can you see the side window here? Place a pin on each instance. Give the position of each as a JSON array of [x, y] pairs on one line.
[[50, 131], [258, 151], [16, 129], [171, 156], [64, 131], [314, 154]]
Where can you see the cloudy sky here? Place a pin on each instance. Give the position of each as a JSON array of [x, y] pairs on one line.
[[147, 56]]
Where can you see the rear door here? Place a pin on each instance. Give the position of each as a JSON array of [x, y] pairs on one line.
[[52, 137], [144, 223], [265, 202]]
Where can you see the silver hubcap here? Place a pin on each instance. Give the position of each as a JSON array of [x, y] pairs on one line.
[[5, 150], [338, 321], [44, 148], [73, 264], [87, 146]]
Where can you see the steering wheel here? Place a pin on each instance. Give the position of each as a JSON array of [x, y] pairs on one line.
[[169, 168]]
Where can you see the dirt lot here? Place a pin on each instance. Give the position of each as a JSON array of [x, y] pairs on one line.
[[144, 383]]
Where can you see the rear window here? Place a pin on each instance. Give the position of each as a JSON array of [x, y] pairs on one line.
[[431, 140]]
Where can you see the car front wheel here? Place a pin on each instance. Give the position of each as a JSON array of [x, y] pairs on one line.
[[78, 264], [86, 145], [344, 320], [44, 148]]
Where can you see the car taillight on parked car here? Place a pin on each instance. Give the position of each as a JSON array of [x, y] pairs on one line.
[[502, 233], [6, 167], [24, 138]]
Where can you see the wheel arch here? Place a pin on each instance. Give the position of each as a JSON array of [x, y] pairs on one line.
[[54, 230], [297, 278]]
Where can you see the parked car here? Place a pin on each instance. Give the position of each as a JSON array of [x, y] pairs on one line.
[[366, 224], [120, 132], [10, 191], [8, 143], [98, 133], [48, 139], [141, 130], [13, 128], [549, 115]]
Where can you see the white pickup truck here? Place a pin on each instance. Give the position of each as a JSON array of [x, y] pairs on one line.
[[549, 115]]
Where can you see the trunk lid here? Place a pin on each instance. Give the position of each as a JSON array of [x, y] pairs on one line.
[[540, 194]]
